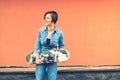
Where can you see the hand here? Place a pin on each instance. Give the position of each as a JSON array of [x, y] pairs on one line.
[[55, 60], [38, 61]]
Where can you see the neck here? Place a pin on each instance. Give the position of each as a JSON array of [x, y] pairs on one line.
[[51, 27]]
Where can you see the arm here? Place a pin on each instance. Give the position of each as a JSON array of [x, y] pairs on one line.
[[37, 49], [61, 41]]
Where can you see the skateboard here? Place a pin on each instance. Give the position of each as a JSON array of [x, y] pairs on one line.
[[50, 56]]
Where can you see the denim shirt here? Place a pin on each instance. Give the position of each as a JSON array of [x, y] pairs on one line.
[[56, 38]]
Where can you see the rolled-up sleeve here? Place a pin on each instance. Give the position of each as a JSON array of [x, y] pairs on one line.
[[37, 47]]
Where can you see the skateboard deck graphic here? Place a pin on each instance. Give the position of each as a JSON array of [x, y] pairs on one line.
[[48, 56]]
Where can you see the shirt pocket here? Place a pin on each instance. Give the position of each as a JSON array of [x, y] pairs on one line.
[[42, 40], [55, 40]]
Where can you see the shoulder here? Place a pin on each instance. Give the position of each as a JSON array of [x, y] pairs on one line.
[[42, 29], [58, 30]]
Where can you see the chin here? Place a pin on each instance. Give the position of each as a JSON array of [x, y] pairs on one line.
[[47, 24]]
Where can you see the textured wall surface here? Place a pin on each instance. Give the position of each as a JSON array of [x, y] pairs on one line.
[[91, 29]]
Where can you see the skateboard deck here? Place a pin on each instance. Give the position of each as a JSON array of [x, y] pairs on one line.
[[50, 56]]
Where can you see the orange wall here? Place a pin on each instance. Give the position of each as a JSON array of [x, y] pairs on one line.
[[91, 29]]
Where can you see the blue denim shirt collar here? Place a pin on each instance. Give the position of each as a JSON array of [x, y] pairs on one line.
[[46, 29]]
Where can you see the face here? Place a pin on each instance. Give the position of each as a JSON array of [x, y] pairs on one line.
[[48, 20]]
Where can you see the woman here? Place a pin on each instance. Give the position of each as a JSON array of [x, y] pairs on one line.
[[49, 37]]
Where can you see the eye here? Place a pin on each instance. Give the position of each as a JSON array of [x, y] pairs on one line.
[[48, 18]]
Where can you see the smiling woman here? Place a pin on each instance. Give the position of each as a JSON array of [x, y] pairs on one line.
[[46, 40]]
